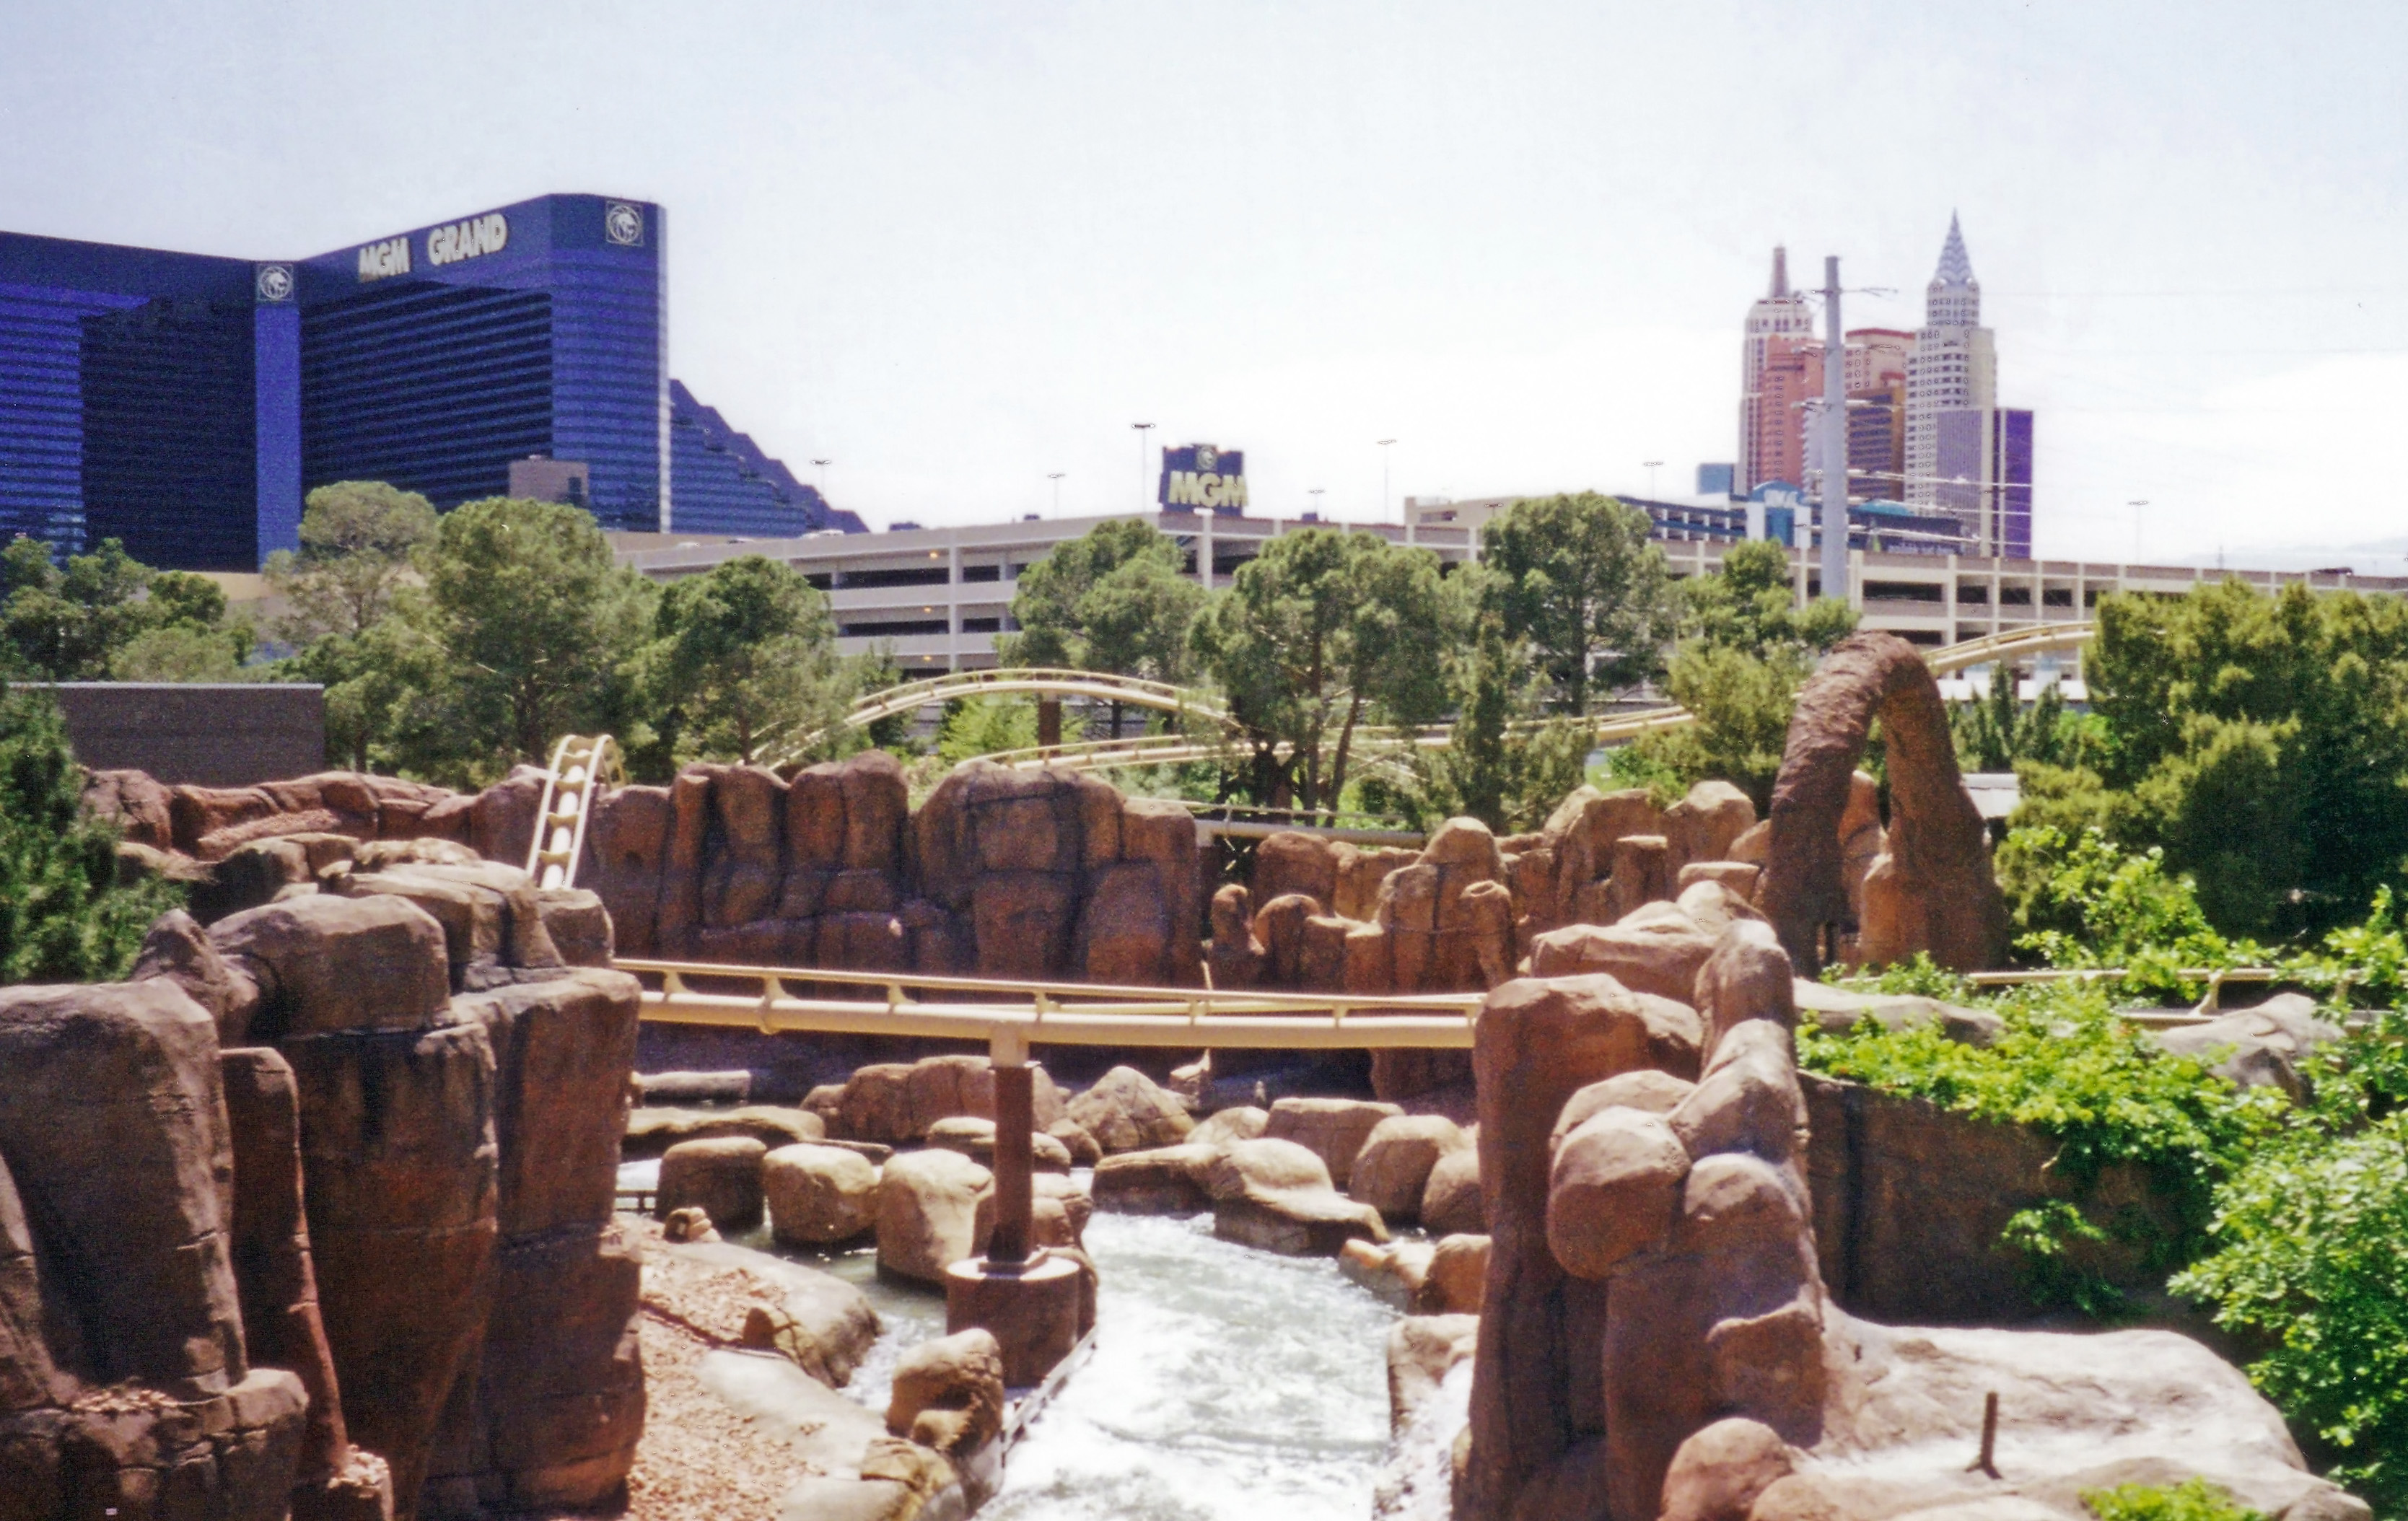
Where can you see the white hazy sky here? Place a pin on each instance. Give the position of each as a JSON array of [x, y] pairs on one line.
[[956, 247]]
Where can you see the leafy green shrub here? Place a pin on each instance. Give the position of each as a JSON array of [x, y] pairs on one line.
[[2308, 1254], [2193, 1499], [984, 726], [2106, 1093], [2084, 901], [63, 916], [1921, 976]]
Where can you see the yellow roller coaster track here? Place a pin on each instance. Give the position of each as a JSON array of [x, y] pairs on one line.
[[1014, 1015], [1178, 749]]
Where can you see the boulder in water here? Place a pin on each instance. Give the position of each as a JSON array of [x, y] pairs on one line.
[[721, 1176], [1126, 1111], [818, 1196], [928, 1213], [949, 1393]]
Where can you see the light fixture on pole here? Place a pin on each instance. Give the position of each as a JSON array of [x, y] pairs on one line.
[[1314, 491], [1143, 475], [1383, 477], [1055, 476], [2136, 505], [1652, 466], [822, 469]]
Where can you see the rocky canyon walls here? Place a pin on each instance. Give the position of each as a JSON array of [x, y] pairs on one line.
[[335, 1171], [1656, 1340]]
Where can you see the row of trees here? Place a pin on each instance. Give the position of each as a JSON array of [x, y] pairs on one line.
[[451, 646], [1327, 633]]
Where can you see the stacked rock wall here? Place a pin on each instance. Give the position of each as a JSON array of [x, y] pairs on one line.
[[126, 1385], [1464, 912], [302, 1136], [1656, 1340], [1001, 873]]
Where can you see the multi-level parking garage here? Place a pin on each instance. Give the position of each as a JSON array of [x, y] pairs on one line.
[[938, 597]]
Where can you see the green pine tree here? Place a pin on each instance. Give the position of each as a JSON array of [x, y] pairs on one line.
[[63, 916]]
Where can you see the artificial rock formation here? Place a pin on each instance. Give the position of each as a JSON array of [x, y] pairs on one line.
[[1463, 912], [1656, 1340], [126, 1381], [318, 1148], [1037, 874], [1932, 889]]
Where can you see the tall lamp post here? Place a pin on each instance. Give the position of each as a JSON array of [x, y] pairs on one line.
[[1315, 494], [2136, 506], [822, 465], [1383, 477], [1055, 476], [1143, 475], [1652, 467]]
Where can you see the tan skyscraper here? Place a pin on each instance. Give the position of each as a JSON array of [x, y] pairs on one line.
[[1781, 369], [1955, 366]]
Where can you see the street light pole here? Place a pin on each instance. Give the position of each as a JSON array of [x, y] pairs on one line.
[[2136, 507], [1143, 475], [1383, 477], [822, 468], [1055, 476], [1835, 439], [1314, 491], [1652, 466]]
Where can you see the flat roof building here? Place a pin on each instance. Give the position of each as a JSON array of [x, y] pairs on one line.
[[186, 404]]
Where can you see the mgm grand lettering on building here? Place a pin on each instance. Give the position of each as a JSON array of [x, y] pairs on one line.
[[1205, 476], [471, 238]]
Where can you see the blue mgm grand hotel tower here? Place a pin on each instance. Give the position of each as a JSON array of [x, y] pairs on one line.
[[186, 404]]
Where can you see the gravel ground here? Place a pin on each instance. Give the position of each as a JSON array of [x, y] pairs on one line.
[[699, 1461]]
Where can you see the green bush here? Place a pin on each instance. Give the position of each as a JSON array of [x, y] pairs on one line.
[[63, 916], [2308, 1254], [2104, 1093], [2082, 901], [2193, 1499]]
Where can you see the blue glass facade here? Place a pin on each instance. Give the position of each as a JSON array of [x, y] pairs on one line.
[[433, 358], [187, 404], [726, 485]]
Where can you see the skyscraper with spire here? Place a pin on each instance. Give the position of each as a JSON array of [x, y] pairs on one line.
[[1954, 367], [1781, 369]]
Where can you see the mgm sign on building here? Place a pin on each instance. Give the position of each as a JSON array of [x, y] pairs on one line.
[[1205, 476]]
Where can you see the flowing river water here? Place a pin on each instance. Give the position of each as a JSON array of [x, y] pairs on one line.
[[1226, 1384]]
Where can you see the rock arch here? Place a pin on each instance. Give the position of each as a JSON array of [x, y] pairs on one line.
[[1933, 889]]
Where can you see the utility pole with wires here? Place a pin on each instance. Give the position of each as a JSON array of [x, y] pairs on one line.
[[1835, 438]]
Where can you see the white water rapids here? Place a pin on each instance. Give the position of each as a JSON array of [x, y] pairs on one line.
[[1227, 1383]]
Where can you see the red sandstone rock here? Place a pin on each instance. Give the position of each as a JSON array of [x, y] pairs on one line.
[[1291, 861], [398, 1153], [1539, 1042], [1333, 1129], [180, 950], [1703, 826], [274, 1277], [501, 826], [1657, 950], [325, 963], [876, 807], [1936, 891], [1126, 1112], [140, 806], [1124, 930], [629, 839], [744, 881]]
